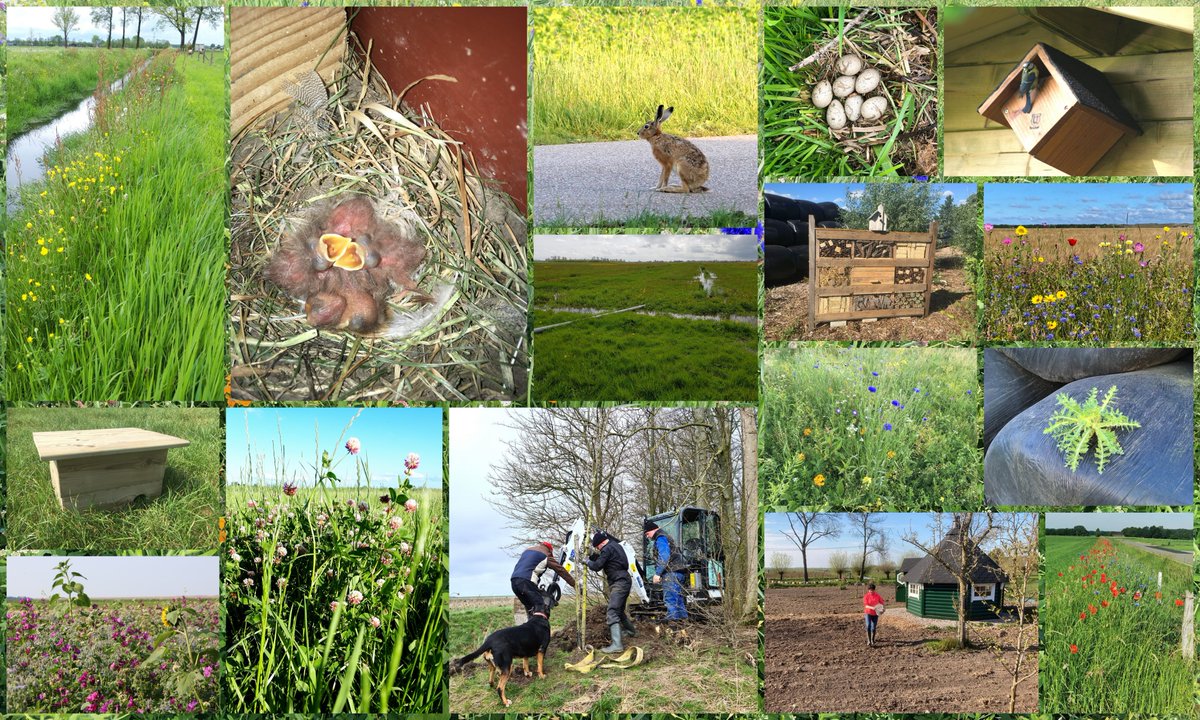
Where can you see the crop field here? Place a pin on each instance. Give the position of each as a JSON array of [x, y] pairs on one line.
[[1095, 284], [1112, 634], [44, 81], [895, 429], [63, 658], [350, 605], [116, 261], [685, 344], [600, 72]]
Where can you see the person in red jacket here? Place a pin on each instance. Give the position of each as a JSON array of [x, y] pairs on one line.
[[870, 600]]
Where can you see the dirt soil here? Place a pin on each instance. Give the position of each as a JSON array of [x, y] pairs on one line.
[[817, 660], [951, 311]]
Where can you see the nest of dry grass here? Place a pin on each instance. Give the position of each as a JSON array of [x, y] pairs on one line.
[[365, 139]]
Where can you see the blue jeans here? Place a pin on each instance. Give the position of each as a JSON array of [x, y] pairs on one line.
[[872, 621], [672, 583]]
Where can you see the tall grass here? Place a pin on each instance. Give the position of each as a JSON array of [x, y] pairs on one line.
[[44, 82], [889, 429], [116, 263], [1102, 284], [183, 517], [1112, 636], [335, 598], [599, 73]]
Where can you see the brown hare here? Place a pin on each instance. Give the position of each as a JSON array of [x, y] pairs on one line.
[[672, 151]]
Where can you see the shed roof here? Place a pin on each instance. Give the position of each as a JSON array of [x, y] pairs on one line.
[[907, 563], [929, 571]]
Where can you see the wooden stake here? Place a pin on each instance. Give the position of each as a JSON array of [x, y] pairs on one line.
[[1189, 626]]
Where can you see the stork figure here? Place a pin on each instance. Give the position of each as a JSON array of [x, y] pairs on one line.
[[706, 281]]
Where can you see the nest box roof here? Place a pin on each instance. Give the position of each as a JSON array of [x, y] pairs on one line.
[[1085, 82], [930, 571]]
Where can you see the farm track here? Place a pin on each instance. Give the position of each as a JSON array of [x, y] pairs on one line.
[[748, 319], [1181, 556]]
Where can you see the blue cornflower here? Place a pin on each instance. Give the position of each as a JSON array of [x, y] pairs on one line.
[[895, 403], [872, 388], [887, 426]]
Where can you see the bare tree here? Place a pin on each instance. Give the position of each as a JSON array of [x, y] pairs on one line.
[[839, 562], [869, 528], [780, 563], [749, 427], [204, 14], [1017, 534], [179, 18], [863, 564], [102, 15], [807, 528], [959, 554], [886, 566], [65, 19]]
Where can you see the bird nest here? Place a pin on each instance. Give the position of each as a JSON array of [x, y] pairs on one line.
[[357, 136]]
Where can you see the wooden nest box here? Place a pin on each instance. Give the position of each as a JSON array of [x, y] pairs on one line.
[[1076, 116]]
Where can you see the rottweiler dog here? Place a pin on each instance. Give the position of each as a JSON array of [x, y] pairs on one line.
[[504, 646]]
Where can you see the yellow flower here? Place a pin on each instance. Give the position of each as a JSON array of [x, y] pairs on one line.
[[1060, 294], [28, 226], [1052, 324], [87, 276], [1166, 229], [867, 480], [819, 480], [1041, 259], [891, 454], [164, 618], [62, 321], [1036, 299], [1128, 242], [28, 338], [1021, 231], [807, 432], [45, 251], [799, 457], [51, 212]]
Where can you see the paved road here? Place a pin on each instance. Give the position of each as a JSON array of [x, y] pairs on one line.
[[1182, 556], [578, 184]]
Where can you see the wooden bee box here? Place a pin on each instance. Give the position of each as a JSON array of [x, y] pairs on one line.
[[105, 468], [886, 271], [1076, 116]]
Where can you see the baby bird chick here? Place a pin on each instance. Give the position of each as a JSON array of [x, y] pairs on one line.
[[343, 261]]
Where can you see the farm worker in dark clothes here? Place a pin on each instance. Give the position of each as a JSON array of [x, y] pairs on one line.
[[670, 564], [870, 600], [610, 558], [532, 564]]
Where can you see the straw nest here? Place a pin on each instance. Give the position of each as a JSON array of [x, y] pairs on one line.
[[356, 135]]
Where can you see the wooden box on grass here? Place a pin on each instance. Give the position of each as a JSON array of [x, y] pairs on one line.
[[105, 468], [890, 272], [1076, 116]]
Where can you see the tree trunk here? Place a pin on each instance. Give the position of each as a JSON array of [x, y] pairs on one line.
[[804, 561], [750, 509], [196, 30], [964, 607], [111, 12], [138, 35]]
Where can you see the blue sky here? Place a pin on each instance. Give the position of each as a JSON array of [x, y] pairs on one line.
[[387, 436], [118, 577], [834, 192], [1087, 203], [1118, 521], [647, 248], [22, 21]]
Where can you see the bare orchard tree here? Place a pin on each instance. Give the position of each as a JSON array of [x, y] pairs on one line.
[[958, 553], [780, 563], [807, 528], [65, 19], [839, 562], [869, 528], [1017, 535]]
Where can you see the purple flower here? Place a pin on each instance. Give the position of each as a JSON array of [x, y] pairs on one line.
[[1138, 247], [1137, 333], [290, 488], [872, 388], [875, 373], [895, 403], [988, 227], [1007, 241], [887, 426]]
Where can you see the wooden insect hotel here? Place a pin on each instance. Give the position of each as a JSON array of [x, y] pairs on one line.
[[105, 468], [1076, 116], [864, 275]]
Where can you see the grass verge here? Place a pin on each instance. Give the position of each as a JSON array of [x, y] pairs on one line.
[[45, 82], [661, 286]]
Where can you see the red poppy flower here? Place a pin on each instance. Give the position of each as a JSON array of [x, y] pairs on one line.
[[1103, 603], [1071, 241], [1158, 595], [1074, 649], [1060, 574], [1092, 608], [1103, 578], [1083, 615], [1178, 602]]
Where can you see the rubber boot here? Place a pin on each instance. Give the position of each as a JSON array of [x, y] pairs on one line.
[[616, 647], [628, 626]]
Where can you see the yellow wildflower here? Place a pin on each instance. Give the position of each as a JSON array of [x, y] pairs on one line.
[[867, 480], [1041, 259], [1052, 324], [45, 251], [807, 432], [819, 480], [799, 457], [1060, 294], [1021, 231], [891, 454], [87, 276], [1036, 299]]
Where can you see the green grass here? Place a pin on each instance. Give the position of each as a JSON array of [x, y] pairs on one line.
[[647, 220], [661, 286], [116, 263], [1169, 543], [882, 428], [184, 517], [599, 73], [45, 82], [637, 357], [1127, 656]]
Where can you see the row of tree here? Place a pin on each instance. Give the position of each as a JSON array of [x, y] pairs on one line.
[[912, 206], [1150, 531], [180, 19]]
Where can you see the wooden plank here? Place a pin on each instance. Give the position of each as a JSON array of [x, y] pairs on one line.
[[1157, 87], [863, 314], [1164, 149], [838, 290], [871, 262], [1176, 18], [66, 444], [979, 24], [812, 273], [108, 480], [929, 272], [1079, 140], [877, 276], [848, 234]]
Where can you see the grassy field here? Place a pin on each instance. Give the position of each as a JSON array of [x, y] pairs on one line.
[[891, 429], [668, 287], [599, 73], [1110, 284], [184, 517], [1169, 543], [116, 263], [638, 357], [1112, 637], [708, 675], [659, 222], [45, 82]]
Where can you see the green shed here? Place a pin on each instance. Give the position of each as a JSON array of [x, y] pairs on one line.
[[931, 588], [901, 578]]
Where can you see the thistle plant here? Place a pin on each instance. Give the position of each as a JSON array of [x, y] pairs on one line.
[[1074, 425]]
